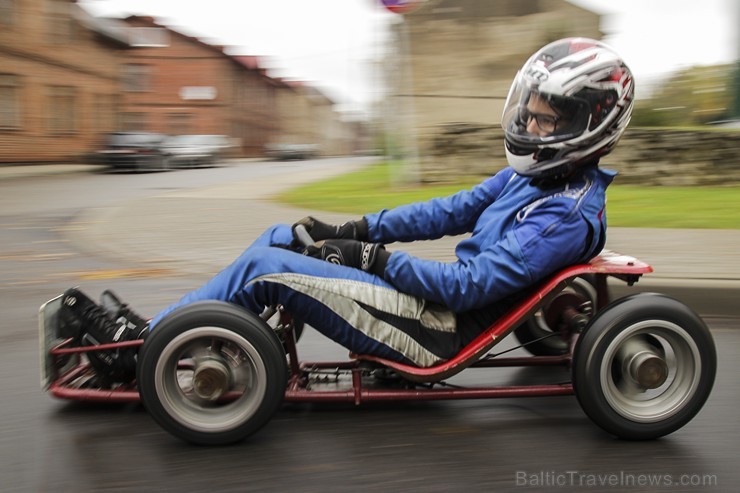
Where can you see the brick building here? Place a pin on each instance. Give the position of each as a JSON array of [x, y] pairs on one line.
[[67, 79], [176, 84], [58, 81]]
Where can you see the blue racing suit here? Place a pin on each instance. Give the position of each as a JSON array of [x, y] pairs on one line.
[[424, 311]]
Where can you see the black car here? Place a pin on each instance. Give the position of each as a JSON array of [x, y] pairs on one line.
[[134, 150]]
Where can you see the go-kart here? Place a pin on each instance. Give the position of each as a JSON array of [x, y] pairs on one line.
[[212, 373]]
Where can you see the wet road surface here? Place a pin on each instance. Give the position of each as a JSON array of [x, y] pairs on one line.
[[533, 444]]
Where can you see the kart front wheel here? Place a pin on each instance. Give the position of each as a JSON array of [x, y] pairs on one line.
[[211, 373], [644, 367]]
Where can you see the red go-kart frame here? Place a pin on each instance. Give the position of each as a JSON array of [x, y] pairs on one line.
[[664, 350]]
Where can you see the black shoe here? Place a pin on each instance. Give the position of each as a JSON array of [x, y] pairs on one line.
[[121, 313], [96, 328], [68, 325]]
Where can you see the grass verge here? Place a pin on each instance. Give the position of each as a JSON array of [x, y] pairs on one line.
[[370, 189]]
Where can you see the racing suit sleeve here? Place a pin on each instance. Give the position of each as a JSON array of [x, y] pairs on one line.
[[548, 239], [437, 217]]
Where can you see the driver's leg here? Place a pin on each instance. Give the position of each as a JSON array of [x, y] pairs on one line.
[[356, 309]]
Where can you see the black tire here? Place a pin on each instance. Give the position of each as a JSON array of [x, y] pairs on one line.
[[536, 326], [212, 338], [605, 366]]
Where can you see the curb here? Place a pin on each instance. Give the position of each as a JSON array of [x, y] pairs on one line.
[[710, 298], [35, 170]]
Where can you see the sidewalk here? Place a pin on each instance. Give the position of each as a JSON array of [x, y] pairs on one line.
[[25, 171], [199, 231]]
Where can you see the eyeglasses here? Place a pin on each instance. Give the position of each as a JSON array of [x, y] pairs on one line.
[[546, 123]]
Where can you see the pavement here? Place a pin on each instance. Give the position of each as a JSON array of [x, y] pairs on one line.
[[199, 231]]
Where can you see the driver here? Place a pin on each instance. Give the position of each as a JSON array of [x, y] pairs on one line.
[[567, 107]]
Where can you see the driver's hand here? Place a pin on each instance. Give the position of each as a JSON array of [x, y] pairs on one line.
[[370, 257], [319, 230]]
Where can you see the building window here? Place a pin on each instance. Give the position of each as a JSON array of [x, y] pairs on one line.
[[10, 101], [62, 109], [137, 77], [152, 37], [238, 128], [180, 123], [60, 25], [7, 12], [134, 121], [103, 112]]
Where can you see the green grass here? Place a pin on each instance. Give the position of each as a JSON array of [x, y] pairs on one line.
[[370, 190], [674, 207]]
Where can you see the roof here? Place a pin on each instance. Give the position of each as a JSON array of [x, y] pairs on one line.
[[113, 29], [249, 61]]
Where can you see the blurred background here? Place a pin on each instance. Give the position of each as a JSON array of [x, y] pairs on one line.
[[254, 92], [421, 81]]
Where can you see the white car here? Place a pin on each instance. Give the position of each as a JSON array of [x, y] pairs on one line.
[[194, 150]]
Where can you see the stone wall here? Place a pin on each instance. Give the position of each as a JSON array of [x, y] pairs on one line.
[[643, 156], [678, 157]]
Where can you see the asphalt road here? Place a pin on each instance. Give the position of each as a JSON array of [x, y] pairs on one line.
[[535, 444]]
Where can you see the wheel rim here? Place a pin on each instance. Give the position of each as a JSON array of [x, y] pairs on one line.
[[578, 286], [650, 370], [210, 379]]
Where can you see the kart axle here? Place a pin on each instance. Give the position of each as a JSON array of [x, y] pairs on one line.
[[211, 379], [648, 369], [641, 362]]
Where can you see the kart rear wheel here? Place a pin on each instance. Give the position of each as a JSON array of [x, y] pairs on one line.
[[644, 367], [531, 332], [211, 373]]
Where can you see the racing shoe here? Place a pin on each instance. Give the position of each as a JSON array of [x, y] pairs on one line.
[[96, 328], [68, 324], [121, 313]]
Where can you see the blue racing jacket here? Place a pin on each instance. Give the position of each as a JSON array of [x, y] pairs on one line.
[[520, 235]]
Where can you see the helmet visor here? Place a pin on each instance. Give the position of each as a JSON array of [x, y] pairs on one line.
[[532, 117]]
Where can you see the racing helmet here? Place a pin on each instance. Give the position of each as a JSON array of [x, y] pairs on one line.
[[590, 89]]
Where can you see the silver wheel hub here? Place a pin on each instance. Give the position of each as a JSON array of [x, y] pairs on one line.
[[648, 369], [211, 379]]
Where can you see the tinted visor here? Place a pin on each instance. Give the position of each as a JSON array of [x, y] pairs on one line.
[[563, 118]]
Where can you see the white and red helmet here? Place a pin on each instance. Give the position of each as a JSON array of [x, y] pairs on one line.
[[592, 91]]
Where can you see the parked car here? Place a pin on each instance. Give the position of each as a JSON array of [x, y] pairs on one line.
[[286, 152], [133, 150], [194, 150]]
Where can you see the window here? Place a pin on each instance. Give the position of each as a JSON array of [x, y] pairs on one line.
[[60, 28], [62, 109], [103, 112], [134, 121], [137, 77], [180, 123], [7, 12], [238, 128], [155, 37], [10, 101]]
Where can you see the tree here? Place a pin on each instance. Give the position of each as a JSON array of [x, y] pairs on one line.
[[693, 96]]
